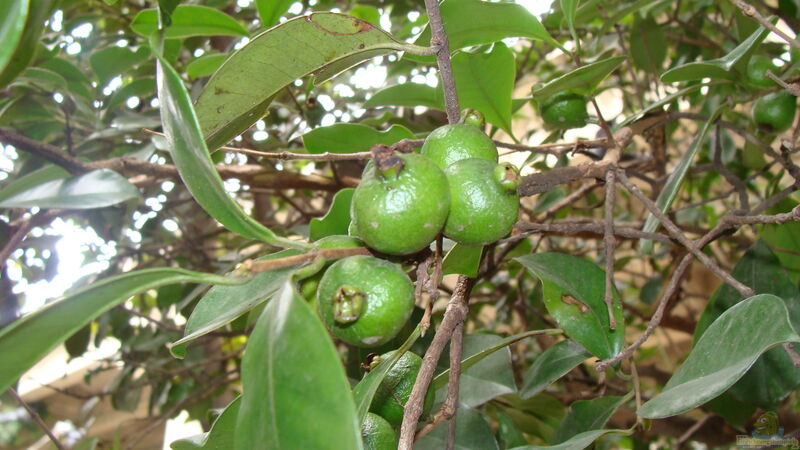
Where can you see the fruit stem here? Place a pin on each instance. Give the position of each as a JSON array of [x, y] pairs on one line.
[[348, 303], [507, 176]]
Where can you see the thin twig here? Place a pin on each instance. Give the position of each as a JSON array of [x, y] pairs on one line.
[[440, 42], [272, 264], [37, 419], [791, 88], [750, 11], [454, 315], [451, 401], [609, 242]]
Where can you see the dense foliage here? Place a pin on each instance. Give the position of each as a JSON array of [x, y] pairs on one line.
[[174, 170]]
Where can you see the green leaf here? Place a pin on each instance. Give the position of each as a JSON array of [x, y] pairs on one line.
[[583, 80], [578, 442], [95, 189], [728, 348], [188, 21], [463, 259], [476, 22], [408, 94], [785, 239], [109, 62], [573, 294], [27, 44], [673, 184], [352, 137], [271, 11], [205, 65], [295, 390], [365, 390], [336, 220], [191, 157], [716, 69], [648, 45], [773, 376], [222, 434], [24, 342], [321, 43], [222, 304], [552, 364], [660, 104], [485, 81], [472, 433], [32, 180], [587, 415], [488, 376], [570, 7], [12, 24]]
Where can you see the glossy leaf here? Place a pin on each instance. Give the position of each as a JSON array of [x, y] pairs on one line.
[[472, 433], [272, 10], [322, 43], [728, 348], [24, 342], [475, 22], [295, 393], [573, 294], [336, 220], [587, 415], [365, 390], [673, 184], [583, 80], [773, 376], [408, 94], [716, 69], [552, 364], [191, 157], [485, 82], [12, 23], [222, 304], [352, 137], [188, 21], [463, 259], [32, 180], [578, 442], [95, 189], [28, 43], [486, 377], [205, 65], [221, 436]]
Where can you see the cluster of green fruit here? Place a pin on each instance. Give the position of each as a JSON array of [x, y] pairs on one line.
[[774, 112], [453, 186]]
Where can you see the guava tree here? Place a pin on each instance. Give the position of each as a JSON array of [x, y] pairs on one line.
[[379, 223]]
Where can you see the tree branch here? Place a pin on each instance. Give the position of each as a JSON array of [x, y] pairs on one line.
[[440, 42]]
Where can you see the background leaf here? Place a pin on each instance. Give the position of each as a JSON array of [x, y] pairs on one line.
[[12, 24], [295, 390], [462, 259], [551, 365], [337, 220], [221, 436], [577, 442], [95, 189], [27, 340], [587, 415], [188, 21], [233, 99], [485, 81], [728, 348], [352, 137], [272, 10], [573, 294], [472, 433], [648, 45], [583, 80], [408, 94]]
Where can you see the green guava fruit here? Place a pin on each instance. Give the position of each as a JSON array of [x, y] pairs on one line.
[[400, 210], [450, 143], [392, 395], [365, 301], [565, 110], [484, 201], [377, 433], [775, 112], [757, 68]]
